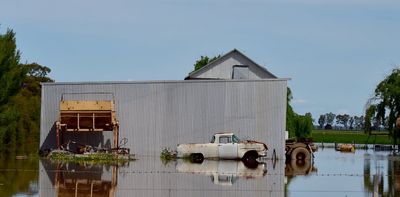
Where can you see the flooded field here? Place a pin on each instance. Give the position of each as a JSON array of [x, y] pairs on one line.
[[363, 173]]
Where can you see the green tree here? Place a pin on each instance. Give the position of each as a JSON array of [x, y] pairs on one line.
[[330, 117], [299, 126], [290, 114], [303, 125], [359, 122], [11, 74], [19, 98], [385, 105], [204, 60], [342, 119], [322, 121], [369, 115], [351, 122]]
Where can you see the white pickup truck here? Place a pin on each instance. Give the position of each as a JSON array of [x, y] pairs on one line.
[[224, 146]]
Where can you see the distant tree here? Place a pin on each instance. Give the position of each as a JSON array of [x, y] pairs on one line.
[[342, 119], [330, 117], [322, 121], [204, 60], [359, 122], [351, 123], [369, 114], [376, 123]]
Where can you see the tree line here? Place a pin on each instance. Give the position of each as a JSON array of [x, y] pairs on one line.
[[382, 110], [20, 93], [346, 121]]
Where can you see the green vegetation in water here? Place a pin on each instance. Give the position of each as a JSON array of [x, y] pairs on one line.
[[331, 136], [167, 155], [96, 158]]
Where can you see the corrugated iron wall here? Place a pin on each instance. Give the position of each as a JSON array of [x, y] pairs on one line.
[[158, 114]]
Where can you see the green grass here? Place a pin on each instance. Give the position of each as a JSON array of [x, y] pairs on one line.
[[359, 137], [167, 155], [96, 158]]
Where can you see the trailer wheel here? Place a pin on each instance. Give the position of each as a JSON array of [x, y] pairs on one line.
[[300, 153]]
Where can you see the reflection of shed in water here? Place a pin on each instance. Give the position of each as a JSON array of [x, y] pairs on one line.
[[149, 177], [78, 180]]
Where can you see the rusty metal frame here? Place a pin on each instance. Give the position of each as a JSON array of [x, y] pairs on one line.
[[62, 127]]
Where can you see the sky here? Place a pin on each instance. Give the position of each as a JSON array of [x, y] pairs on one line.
[[334, 51]]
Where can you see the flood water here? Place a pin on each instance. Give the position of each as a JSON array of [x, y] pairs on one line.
[[363, 173]]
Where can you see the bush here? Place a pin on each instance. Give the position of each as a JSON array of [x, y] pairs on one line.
[[303, 126], [167, 155]]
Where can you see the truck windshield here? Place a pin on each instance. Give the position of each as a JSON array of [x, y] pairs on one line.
[[212, 139], [235, 139]]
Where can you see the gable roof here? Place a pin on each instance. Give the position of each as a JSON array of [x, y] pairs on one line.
[[213, 63]]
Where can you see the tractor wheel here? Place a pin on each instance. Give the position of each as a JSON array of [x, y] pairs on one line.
[[300, 153], [301, 167]]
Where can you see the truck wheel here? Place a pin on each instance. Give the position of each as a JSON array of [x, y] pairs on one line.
[[250, 159], [300, 153], [197, 158]]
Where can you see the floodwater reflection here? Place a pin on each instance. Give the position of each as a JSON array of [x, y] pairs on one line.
[[80, 179], [377, 182], [332, 173], [363, 173], [148, 176], [299, 167], [223, 172]]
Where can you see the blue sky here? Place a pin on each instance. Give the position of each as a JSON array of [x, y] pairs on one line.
[[334, 51]]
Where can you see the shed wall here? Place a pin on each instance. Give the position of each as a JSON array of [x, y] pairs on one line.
[[154, 115]]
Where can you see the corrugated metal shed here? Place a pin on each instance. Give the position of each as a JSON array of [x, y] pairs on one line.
[[223, 68], [158, 114]]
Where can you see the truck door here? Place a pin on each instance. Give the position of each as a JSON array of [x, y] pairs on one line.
[[226, 148]]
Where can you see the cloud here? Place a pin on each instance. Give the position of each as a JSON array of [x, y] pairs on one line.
[[299, 101], [343, 111]]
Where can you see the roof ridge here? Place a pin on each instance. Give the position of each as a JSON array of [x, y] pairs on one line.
[[226, 54]]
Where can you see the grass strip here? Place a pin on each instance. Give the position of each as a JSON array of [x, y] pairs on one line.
[[96, 158], [331, 136]]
